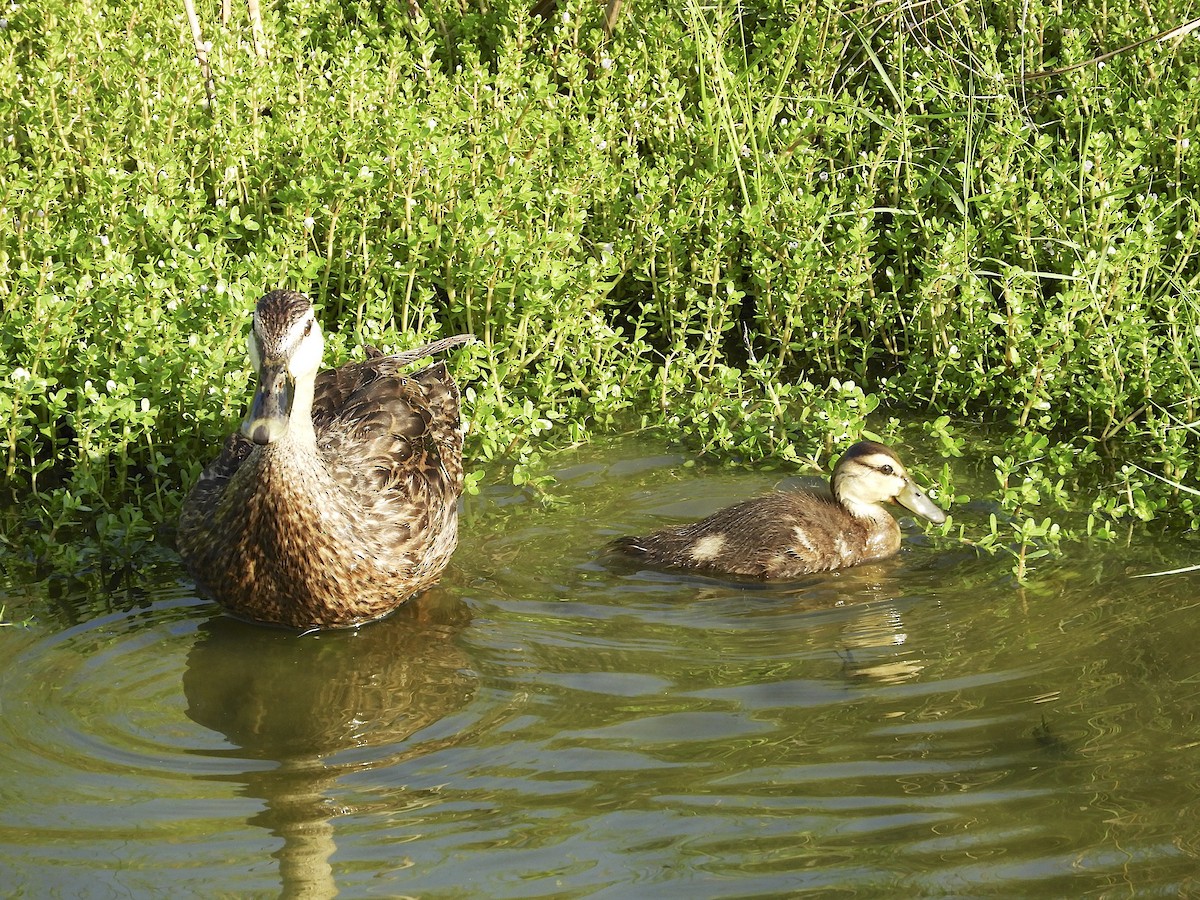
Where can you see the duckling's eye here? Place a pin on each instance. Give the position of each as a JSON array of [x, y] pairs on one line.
[[308, 328], [887, 469]]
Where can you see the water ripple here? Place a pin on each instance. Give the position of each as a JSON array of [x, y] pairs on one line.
[[546, 725]]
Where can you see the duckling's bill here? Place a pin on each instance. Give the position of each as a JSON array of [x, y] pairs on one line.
[[268, 418], [916, 500]]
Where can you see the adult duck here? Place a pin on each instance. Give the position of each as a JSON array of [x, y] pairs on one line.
[[787, 534], [338, 498]]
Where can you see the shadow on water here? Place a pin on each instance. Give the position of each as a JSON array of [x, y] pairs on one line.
[[308, 702]]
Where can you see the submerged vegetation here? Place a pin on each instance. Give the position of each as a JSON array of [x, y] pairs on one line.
[[761, 227]]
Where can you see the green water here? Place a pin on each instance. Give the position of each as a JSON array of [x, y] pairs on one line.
[[546, 725]]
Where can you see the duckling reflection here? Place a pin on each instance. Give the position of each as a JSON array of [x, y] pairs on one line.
[[787, 534], [298, 700], [875, 647]]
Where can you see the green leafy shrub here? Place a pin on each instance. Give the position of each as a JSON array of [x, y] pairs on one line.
[[750, 226]]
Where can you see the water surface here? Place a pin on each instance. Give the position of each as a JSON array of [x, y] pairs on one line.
[[546, 724]]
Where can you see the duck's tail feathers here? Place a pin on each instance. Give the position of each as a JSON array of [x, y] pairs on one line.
[[406, 357], [631, 545]]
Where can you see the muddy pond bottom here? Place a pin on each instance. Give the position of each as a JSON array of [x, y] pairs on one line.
[[546, 724]]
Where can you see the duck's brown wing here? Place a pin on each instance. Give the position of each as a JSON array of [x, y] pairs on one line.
[[338, 389], [378, 430], [730, 541]]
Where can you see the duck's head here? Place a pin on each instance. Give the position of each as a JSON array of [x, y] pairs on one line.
[[869, 474], [285, 347]]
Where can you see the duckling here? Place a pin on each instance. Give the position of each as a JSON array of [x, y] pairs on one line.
[[787, 534], [338, 498]]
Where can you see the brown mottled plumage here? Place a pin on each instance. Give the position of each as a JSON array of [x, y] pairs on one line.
[[338, 499], [787, 534]]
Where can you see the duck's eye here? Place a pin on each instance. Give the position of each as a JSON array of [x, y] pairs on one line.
[[887, 469], [308, 328]]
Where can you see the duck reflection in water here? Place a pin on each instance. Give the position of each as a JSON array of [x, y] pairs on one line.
[[298, 700]]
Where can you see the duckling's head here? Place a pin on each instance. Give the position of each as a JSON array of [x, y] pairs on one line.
[[285, 347], [868, 474]]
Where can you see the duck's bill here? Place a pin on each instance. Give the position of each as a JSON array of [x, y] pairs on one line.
[[916, 500], [272, 406]]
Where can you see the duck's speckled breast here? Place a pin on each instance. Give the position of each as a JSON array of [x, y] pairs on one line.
[[288, 543]]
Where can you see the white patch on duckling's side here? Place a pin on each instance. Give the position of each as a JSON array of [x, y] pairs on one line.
[[708, 547], [842, 549], [803, 540]]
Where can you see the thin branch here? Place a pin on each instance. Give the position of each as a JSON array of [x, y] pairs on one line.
[[1167, 572], [256, 29], [1177, 32], [1174, 484], [612, 11], [201, 53]]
